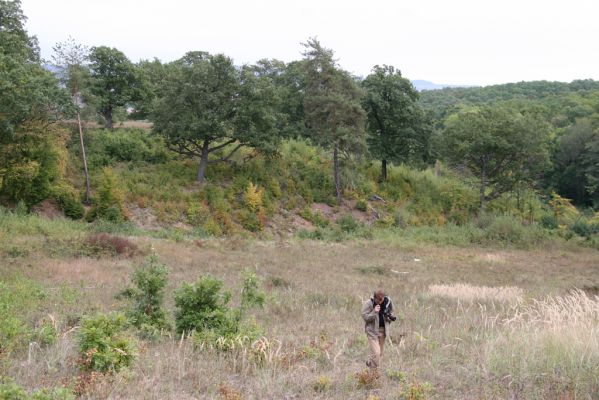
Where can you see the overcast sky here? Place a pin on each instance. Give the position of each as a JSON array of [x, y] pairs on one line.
[[445, 41]]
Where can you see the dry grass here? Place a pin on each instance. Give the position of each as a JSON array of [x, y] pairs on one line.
[[466, 292], [312, 327]]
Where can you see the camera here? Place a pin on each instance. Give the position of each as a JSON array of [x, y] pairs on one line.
[[389, 316]]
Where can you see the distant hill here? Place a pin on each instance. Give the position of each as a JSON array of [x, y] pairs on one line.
[[573, 100], [421, 85]]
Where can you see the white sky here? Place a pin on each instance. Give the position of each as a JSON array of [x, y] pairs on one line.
[[450, 42]]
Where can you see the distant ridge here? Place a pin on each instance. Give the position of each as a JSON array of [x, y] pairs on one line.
[[421, 85]]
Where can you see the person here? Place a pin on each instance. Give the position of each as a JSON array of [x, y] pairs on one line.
[[377, 313]]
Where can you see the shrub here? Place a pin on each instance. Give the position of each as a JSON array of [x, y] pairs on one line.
[[347, 223], [12, 391], [583, 228], [104, 345], [46, 334], [108, 147], [147, 295], [18, 297], [243, 338], [69, 203], [250, 220], [197, 213], [549, 221], [251, 294], [111, 199], [505, 229], [32, 160], [202, 306], [253, 197], [102, 243], [362, 205]]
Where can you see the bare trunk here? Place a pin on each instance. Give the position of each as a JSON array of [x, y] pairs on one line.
[[337, 173], [108, 118], [87, 185], [384, 169], [203, 163]]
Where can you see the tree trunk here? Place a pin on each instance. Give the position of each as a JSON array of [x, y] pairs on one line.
[[87, 186], [203, 163], [384, 169], [337, 173], [108, 118]]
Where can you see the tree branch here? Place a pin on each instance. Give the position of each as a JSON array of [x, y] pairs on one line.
[[220, 146], [225, 159]]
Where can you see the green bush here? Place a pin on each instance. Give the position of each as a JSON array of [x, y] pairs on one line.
[[347, 223], [104, 344], [548, 221], [106, 148], [584, 228], [505, 229], [18, 298], [147, 295], [110, 203], [202, 306], [251, 293], [250, 220], [362, 205], [68, 202], [242, 337]]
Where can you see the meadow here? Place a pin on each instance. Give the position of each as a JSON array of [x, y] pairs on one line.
[[475, 321]]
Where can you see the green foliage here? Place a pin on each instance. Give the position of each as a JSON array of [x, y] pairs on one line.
[[333, 114], [107, 148], [104, 345], [110, 200], [348, 223], [202, 306], [68, 202], [206, 104], [18, 299], [251, 294], [397, 129], [240, 338], [114, 81], [503, 148], [147, 294], [12, 391], [362, 205], [32, 163]]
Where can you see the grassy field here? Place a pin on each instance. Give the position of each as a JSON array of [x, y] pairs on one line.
[[475, 322]]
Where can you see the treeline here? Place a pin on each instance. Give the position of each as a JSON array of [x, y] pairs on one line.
[[571, 111], [505, 138]]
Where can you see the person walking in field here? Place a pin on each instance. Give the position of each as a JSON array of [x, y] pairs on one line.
[[377, 313]]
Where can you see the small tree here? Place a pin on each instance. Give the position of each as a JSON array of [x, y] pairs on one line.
[[202, 306], [397, 129], [114, 82], [71, 60], [206, 104], [332, 107], [500, 146], [147, 294]]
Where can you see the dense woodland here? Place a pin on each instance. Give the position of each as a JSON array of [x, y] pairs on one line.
[[496, 144]]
